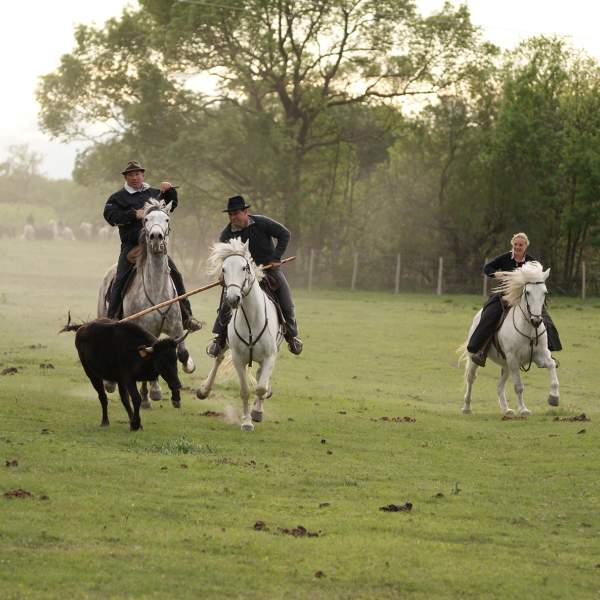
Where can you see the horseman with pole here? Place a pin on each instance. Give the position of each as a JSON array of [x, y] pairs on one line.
[[259, 231], [125, 209]]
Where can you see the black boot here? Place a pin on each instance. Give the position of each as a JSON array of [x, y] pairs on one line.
[[217, 346]]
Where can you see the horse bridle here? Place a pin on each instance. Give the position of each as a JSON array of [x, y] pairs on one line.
[[250, 343], [165, 233], [248, 270], [533, 340]]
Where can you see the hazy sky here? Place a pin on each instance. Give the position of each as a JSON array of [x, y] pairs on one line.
[[37, 32]]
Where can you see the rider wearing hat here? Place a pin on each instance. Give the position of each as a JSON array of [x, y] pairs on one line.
[[259, 232], [125, 209], [481, 338]]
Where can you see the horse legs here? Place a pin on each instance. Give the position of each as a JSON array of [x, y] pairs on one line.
[[516, 377], [501, 390], [125, 400], [204, 390], [240, 367], [136, 422], [554, 395], [263, 387], [145, 400], [470, 376], [155, 391]]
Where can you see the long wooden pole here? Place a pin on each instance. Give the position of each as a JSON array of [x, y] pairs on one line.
[[187, 294]]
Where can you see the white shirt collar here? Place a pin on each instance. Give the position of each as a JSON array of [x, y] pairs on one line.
[[131, 190]]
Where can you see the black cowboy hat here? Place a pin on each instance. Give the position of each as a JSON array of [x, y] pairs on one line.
[[132, 165], [236, 203]]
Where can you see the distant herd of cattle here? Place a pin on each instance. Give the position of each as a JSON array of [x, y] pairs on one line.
[[57, 230]]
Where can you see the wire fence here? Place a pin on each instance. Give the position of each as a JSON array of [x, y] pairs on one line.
[[400, 273]]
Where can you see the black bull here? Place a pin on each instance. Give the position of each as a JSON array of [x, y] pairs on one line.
[[125, 353]]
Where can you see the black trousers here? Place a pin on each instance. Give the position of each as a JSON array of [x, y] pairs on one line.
[[124, 268], [490, 317], [284, 297]]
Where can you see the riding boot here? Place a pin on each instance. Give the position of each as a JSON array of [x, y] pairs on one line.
[[218, 344], [115, 300], [284, 296], [187, 319], [480, 357]]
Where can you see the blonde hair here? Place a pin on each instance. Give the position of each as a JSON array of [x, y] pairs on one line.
[[519, 235]]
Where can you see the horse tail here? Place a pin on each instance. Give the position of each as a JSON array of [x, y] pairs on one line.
[[69, 327], [227, 369]]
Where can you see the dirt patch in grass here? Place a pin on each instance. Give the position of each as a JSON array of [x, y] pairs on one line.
[[212, 413], [298, 531], [19, 493], [9, 371], [396, 419], [406, 507], [573, 419]]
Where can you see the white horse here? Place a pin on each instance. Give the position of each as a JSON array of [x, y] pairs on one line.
[[152, 285], [521, 340], [253, 333]]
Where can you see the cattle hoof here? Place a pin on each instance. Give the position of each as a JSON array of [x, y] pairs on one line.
[[201, 394], [553, 400], [466, 410], [104, 424], [247, 427], [135, 427], [176, 403], [256, 415], [146, 405]]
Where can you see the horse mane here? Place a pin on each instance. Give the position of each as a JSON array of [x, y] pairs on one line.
[[150, 205], [222, 250], [512, 282]]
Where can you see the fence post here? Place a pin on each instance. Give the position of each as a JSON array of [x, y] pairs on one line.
[[583, 280], [440, 275], [485, 280], [311, 264], [397, 280], [354, 271]]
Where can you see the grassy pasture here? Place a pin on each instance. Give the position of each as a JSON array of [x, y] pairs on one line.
[[170, 511]]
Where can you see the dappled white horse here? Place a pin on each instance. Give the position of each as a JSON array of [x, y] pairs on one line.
[[522, 338], [253, 332], [152, 285]]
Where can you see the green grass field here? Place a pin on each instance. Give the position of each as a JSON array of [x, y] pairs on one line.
[[501, 509]]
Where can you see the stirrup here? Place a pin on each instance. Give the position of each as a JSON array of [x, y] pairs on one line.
[[479, 358], [215, 348], [295, 345]]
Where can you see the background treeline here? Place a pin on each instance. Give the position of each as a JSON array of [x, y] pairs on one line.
[[362, 125]]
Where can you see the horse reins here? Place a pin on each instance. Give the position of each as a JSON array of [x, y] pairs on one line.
[[533, 341], [250, 343]]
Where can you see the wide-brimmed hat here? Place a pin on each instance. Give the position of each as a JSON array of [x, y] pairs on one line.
[[236, 203], [132, 165]]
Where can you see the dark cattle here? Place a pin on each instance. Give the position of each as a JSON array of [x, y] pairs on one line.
[[125, 353]]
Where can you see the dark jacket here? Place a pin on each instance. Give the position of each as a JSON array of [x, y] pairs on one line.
[[504, 262], [121, 206], [261, 231]]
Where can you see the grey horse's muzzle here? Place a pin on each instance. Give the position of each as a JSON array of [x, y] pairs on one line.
[[536, 321]]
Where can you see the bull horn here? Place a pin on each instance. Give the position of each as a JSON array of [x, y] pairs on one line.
[[182, 337], [149, 349]]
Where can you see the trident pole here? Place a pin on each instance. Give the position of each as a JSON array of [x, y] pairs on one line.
[[187, 294]]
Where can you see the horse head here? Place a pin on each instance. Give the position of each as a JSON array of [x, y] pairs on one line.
[[534, 296], [156, 225]]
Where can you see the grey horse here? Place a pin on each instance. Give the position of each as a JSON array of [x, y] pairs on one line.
[[151, 284]]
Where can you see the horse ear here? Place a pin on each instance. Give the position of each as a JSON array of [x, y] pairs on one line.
[[169, 207], [546, 274]]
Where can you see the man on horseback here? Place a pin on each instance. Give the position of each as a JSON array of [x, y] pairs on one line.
[[259, 231], [483, 335], [125, 209]]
